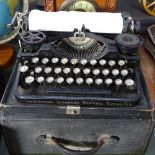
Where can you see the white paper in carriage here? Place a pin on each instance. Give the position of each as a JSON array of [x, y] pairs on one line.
[[98, 22]]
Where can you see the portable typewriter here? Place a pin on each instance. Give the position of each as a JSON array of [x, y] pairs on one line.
[[78, 68]]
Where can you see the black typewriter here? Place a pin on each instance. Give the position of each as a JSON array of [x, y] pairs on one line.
[[78, 68]]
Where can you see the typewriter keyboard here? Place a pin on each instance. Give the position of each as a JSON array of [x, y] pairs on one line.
[[111, 77], [55, 72]]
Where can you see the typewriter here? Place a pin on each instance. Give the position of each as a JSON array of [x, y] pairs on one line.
[[78, 68]]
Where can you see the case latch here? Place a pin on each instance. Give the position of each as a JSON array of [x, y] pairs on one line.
[[73, 110]]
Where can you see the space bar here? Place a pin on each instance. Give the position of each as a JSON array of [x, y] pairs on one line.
[[108, 92]]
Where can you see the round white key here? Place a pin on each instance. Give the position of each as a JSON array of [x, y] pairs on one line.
[[105, 72], [50, 79], [124, 72], [102, 62], [118, 82], [60, 80], [76, 70], [35, 60], [111, 63], [86, 71], [121, 63], [66, 70], [64, 61], [48, 70], [93, 62], [57, 70], [129, 82], [79, 81], [69, 80], [29, 79], [40, 79], [108, 81], [115, 72], [84, 61], [24, 69], [89, 81], [74, 61], [38, 70], [54, 60], [96, 71], [45, 60], [98, 81]]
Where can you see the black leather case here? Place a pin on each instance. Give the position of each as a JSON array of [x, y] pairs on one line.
[[46, 129]]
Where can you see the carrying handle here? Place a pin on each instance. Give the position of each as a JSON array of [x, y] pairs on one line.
[[78, 148], [71, 147]]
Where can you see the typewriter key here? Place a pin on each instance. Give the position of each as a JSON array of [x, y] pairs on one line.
[[66, 70], [105, 72], [29, 80], [57, 70], [74, 61], [45, 61], [96, 71], [76, 71], [86, 71], [40, 79], [54, 60], [79, 81], [111, 63], [89, 81], [60, 80], [115, 72], [35, 60], [93, 62], [121, 63], [24, 69], [48, 70], [118, 82], [108, 81], [70, 80], [129, 83], [50, 80], [124, 72], [38, 70], [102, 62], [84, 61], [98, 81], [64, 61]]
